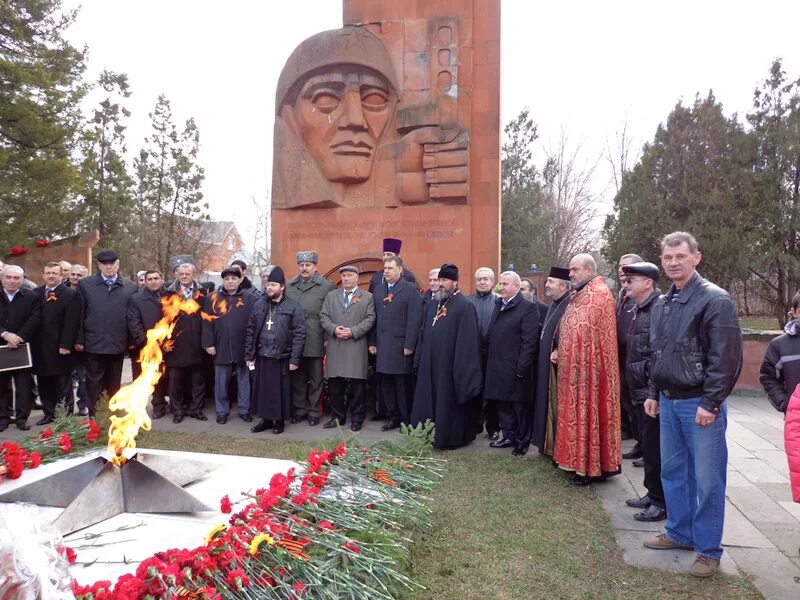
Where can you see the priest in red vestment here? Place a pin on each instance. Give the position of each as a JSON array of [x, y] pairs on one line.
[[588, 441]]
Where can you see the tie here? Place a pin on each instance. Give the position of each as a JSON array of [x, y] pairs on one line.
[[347, 298], [187, 293], [109, 282]]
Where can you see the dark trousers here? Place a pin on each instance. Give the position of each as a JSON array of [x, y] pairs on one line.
[[159, 400], [337, 386], [22, 394], [52, 390], [515, 421], [628, 412], [103, 372], [650, 442], [307, 387], [394, 392], [187, 389]]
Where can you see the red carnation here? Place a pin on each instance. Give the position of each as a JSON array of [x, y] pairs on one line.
[[237, 578], [299, 587], [14, 466], [225, 504], [94, 431], [351, 547], [65, 443], [46, 434], [34, 460], [42, 243]]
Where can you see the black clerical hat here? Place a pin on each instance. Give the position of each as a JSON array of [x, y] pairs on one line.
[[448, 271], [559, 273], [276, 276]]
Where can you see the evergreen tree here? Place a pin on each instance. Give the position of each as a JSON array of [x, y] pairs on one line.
[[40, 92]]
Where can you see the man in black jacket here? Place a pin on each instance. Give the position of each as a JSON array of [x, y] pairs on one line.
[[780, 369], [104, 336], [276, 335], [185, 359], [144, 311], [20, 315], [511, 349], [223, 338], [53, 344], [639, 282], [697, 356], [484, 302]]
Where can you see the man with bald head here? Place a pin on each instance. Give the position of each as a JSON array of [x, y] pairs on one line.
[[588, 440]]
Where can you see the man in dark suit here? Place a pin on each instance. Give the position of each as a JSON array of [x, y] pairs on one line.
[[20, 314], [398, 310], [144, 311], [104, 336], [186, 359], [53, 343], [511, 347]]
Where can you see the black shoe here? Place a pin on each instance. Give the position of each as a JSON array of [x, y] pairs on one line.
[[246, 418], [377, 418], [504, 443], [580, 479], [493, 435], [520, 451], [634, 452], [333, 423], [639, 462], [158, 413], [177, 418], [278, 429], [83, 412], [355, 426], [642, 502], [651, 513], [222, 419], [262, 425], [200, 416], [389, 425], [45, 421], [23, 425], [313, 421]]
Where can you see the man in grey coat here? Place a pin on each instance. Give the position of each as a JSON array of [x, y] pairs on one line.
[[347, 316], [309, 290]]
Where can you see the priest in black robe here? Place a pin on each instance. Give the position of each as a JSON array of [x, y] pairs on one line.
[[448, 364], [557, 288]]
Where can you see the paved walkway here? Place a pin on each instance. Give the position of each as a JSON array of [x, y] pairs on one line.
[[762, 524]]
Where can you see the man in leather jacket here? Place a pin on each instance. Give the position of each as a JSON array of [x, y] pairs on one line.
[[639, 281], [697, 356]]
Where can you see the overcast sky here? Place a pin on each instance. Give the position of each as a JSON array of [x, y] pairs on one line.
[[583, 67]]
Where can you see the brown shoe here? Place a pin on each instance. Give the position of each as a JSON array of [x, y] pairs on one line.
[[662, 542], [704, 567]]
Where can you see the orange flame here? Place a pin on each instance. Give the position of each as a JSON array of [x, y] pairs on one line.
[[133, 398]]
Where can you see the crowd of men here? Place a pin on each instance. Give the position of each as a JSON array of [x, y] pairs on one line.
[[567, 377]]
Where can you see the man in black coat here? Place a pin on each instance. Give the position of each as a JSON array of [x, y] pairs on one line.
[[185, 359], [448, 363], [276, 336], [104, 336], [53, 344], [144, 311], [483, 300], [511, 349], [20, 314], [639, 282], [223, 339], [398, 308]]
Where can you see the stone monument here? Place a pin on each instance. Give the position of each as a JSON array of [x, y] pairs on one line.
[[390, 127]]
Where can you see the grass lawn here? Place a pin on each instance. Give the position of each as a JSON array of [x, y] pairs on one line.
[[506, 529], [759, 323]]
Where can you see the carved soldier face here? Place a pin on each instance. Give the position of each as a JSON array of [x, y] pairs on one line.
[[342, 118]]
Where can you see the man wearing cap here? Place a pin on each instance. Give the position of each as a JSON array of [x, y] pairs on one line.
[[639, 282], [276, 334], [448, 363], [696, 347], [545, 406], [223, 338], [624, 308], [588, 440], [483, 300], [309, 290], [185, 359], [104, 336], [391, 247], [511, 344], [347, 317], [398, 310], [144, 311]]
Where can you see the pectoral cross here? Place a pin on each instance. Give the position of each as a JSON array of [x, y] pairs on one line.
[[269, 323]]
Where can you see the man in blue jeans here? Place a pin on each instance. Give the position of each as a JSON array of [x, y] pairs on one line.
[[697, 356]]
